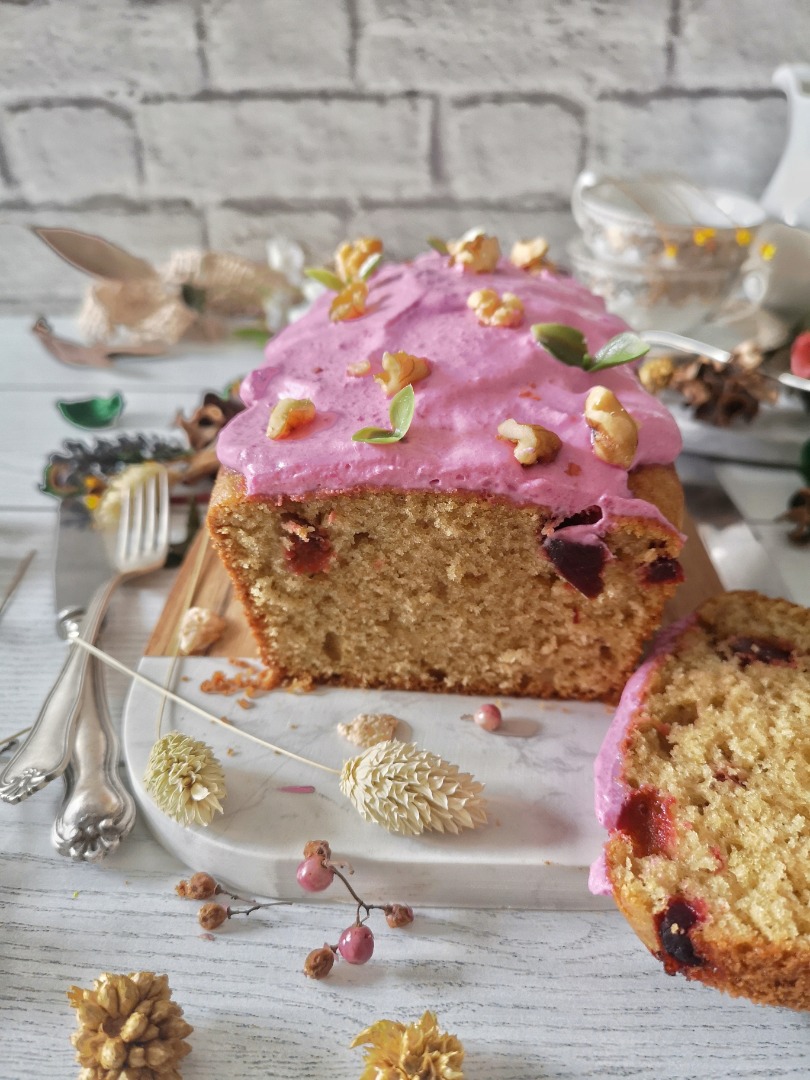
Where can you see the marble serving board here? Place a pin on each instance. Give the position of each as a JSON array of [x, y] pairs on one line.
[[538, 771]]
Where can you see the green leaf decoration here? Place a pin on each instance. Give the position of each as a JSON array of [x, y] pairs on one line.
[[621, 349], [252, 333], [400, 414], [565, 343], [370, 265], [96, 412], [804, 462], [438, 245], [325, 277]]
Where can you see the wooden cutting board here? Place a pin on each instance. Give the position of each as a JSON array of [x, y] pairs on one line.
[[202, 581]]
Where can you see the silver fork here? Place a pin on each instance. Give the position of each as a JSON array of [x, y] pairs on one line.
[[97, 811]]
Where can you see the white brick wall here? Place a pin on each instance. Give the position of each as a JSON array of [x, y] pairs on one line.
[[162, 123]]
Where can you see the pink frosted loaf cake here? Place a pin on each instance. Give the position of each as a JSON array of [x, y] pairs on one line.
[[490, 550], [702, 783]]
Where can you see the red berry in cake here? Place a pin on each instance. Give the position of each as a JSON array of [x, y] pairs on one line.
[[580, 564], [749, 650], [663, 570], [800, 355], [674, 925], [646, 819], [313, 876], [356, 944], [488, 717]]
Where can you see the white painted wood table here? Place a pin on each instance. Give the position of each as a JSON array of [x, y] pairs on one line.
[[551, 995]]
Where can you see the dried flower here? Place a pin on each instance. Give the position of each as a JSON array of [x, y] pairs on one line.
[[798, 513], [185, 779], [211, 916], [200, 886], [320, 848], [398, 915], [129, 1026], [722, 393], [475, 251], [369, 728], [208, 419], [419, 1051], [408, 790], [319, 962]]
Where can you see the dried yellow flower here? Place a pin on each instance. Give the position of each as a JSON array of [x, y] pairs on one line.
[[419, 1051], [129, 1027], [289, 414], [185, 779], [655, 374], [400, 369], [108, 510], [351, 256], [369, 728], [350, 303], [494, 310], [531, 255], [533, 443], [408, 790], [478, 253]]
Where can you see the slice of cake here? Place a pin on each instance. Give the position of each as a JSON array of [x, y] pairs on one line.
[[521, 538], [703, 783]]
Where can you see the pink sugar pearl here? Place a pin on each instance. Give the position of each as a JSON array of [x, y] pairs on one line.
[[488, 717]]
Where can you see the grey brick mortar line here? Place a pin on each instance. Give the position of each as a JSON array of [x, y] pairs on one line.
[[82, 103], [354, 37], [6, 174], [443, 202], [341, 94], [673, 34], [201, 32], [92, 203], [679, 93], [577, 109], [435, 154]]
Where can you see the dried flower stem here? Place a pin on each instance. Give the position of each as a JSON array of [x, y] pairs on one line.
[[359, 901], [136, 675], [11, 741]]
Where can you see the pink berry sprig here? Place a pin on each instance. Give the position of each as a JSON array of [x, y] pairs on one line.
[[356, 944], [212, 915]]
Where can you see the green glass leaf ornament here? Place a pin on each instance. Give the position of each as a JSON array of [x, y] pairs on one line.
[[400, 414], [259, 334], [95, 412], [325, 277], [622, 349], [565, 343]]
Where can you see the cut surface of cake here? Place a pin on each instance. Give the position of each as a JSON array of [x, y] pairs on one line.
[[703, 783], [439, 560]]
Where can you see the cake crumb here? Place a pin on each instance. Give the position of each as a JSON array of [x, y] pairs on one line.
[[199, 629], [368, 729]]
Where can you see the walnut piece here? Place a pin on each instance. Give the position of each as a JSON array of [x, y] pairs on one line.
[[533, 443], [289, 414], [615, 432], [478, 253], [350, 257], [530, 254], [358, 369], [199, 628], [350, 303], [494, 310], [368, 729], [400, 369]]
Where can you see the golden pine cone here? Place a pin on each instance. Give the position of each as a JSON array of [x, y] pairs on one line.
[[129, 1028]]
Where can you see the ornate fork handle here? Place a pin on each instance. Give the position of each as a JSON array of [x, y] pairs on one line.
[[97, 811], [46, 752]]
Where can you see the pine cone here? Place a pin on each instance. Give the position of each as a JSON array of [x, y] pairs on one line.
[[129, 1028]]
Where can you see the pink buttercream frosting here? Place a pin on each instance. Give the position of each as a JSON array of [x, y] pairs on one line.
[[610, 787], [480, 376]]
